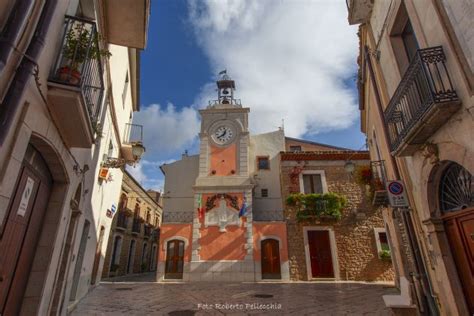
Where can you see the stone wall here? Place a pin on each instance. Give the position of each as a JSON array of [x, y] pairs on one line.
[[357, 253]]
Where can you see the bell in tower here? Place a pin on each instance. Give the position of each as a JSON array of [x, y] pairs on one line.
[[225, 88]]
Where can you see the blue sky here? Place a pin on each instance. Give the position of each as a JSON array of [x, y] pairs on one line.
[[292, 60]]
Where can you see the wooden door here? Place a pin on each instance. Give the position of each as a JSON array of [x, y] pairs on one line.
[[174, 259], [98, 255], [460, 232], [79, 260], [21, 233], [270, 259], [320, 254]]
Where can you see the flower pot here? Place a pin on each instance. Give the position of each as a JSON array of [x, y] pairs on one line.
[[69, 75]]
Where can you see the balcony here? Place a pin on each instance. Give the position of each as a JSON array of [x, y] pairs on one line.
[[133, 138], [127, 22], [75, 85], [359, 10], [424, 100], [380, 195], [121, 221], [136, 227]]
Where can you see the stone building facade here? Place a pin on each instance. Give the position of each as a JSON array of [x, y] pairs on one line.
[[354, 241], [416, 87], [135, 232]]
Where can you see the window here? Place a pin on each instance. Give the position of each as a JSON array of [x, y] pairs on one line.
[[403, 39], [264, 192], [263, 163], [295, 149], [148, 217], [312, 183], [381, 241]]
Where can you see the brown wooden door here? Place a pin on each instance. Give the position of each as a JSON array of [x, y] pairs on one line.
[[174, 259], [270, 259], [460, 232], [21, 234], [98, 255], [320, 254]]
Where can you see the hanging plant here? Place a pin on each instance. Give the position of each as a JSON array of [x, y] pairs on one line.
[[363, 175], [317, 206]]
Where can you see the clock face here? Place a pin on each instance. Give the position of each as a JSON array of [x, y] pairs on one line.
[[223, 135]]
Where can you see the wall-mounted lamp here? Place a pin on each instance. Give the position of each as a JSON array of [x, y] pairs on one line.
[[137, 152], [349, 166]]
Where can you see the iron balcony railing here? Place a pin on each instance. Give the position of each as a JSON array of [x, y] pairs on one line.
[[121, 220], [425, 83], [379, 178], [78, 63], [133, 134], [136, 226]]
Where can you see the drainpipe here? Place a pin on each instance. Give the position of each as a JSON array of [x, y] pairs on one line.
[[10, 32], [25, 70], [407, 220]]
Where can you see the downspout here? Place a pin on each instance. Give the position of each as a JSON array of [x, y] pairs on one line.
[[10, 32], [407, 220], [25, 70]]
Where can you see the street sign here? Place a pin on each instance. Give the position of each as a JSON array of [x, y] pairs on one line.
[[397, 194]]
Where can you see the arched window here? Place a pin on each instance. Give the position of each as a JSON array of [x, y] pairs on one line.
[[123, 202], [456, 190]]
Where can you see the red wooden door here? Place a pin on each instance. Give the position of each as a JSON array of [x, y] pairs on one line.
[[270, 259], [460, 232], [174, 259], [20, 236], [320, 254]]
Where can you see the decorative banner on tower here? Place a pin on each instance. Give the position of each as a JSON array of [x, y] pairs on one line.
[[200, 209], [243, 209]]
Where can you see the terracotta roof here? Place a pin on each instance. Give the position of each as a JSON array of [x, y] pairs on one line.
[[315, 143], [326, 155]]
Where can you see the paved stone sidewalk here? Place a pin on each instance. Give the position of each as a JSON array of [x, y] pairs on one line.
[[141, 296]]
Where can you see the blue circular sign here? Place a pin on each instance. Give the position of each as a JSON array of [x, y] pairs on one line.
[[395, 188]]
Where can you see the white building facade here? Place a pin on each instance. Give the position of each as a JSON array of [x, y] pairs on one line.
[[69, 87]]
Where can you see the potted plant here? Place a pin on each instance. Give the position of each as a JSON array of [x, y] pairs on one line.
[[385, 255], [80, 45]]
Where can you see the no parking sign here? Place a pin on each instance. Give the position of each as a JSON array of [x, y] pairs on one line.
[[397, 194]]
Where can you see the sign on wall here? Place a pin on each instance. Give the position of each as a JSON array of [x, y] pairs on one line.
[[25, 197], [397, 194]]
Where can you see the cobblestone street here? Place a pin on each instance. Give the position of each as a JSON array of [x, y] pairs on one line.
[[141, 296]]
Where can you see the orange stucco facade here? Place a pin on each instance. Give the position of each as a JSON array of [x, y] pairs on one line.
[[223, 160], [171, 231], [269, 230]]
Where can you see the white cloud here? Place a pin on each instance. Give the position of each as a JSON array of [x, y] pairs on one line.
[[167, 130], [289, 60]]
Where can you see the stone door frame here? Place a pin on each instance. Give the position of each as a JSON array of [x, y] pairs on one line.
[[332, 243]]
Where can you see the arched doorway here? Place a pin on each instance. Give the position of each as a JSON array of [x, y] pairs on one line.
[[174, 259], [455, 201], [270, 259], [22, 229]]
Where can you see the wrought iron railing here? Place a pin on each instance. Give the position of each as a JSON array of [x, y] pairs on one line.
[[425, 83], [78, 63], [121, 220], [379, 177], [133, 134], [136, 226], [147, 230], [235, 102]]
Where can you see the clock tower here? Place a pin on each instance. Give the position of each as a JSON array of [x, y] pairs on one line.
[[223, 187]]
